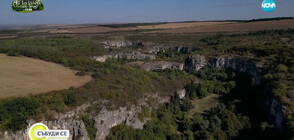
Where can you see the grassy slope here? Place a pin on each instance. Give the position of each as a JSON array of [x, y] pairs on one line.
[[204, 104]]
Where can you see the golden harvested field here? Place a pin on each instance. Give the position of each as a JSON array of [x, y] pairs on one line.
[[98, 29], [20, 76], [181, 25], [150, 27], [235, 27]]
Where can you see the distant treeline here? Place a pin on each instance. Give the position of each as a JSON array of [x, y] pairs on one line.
[[122, 25], [269, 19]]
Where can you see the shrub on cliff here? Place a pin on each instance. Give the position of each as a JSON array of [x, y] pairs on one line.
[[14, 113]]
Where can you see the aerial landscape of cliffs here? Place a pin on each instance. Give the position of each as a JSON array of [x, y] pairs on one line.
[[161, 81]]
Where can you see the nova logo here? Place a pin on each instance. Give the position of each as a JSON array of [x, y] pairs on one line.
[[268, 5]]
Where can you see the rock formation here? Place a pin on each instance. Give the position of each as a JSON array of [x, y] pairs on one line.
[[181, 93], [64, 121], [119, 44], [180, 49], [104, 120], [161, 65], [195, 63], [129, 56]]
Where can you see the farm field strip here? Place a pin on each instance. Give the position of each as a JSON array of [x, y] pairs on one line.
[[21, 76]]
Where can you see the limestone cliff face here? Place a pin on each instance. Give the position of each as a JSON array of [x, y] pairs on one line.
[[70, 121], [77, 130], [181, 93], [108, 119], [161, 65], [275, 110], [104, 120], [180, 49], [129, 56], [64, 121], [120, 43], [195, 63]]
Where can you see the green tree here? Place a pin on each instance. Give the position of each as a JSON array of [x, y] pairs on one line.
[[90, 126], [14, 113], [186, 104], [191, 89], [202, 91], [215, 123], [188, 135]]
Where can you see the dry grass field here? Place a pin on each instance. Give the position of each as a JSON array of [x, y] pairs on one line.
[[20, 76], [98, 29], [234, 27], [149, 27]]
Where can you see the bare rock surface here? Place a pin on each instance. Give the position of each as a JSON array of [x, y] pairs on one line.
[[195, 63], [161, 65], [104, 120], [128, 56], [121, 43]]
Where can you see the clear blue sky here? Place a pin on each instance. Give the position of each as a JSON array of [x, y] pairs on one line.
[[107, 11]]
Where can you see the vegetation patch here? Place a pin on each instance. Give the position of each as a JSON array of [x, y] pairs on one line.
[[90, 126], [204, 104]]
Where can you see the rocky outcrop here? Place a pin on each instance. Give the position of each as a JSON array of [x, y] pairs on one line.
[[102, 58], [276, 112], [195, 63], [161, 65], [104, 120], [64, 121], [108, 119], [129, 56], [76, 127], [119, 43], [181, 93], [180, 49]]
